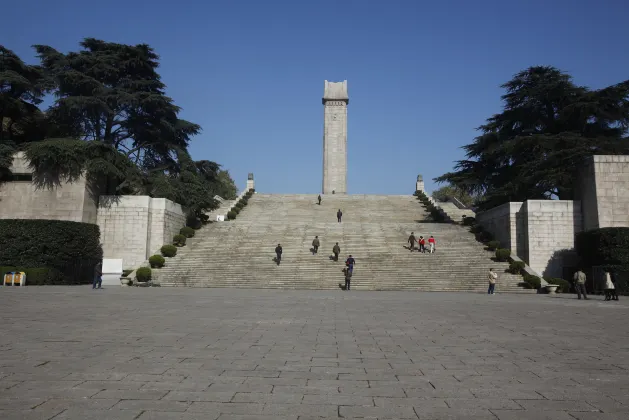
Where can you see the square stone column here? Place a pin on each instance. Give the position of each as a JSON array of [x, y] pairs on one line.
[[335, 101]]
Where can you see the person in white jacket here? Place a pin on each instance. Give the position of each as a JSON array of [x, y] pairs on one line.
[[610, 289], [491, 276]]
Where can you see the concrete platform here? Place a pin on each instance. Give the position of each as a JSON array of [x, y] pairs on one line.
[[162, 353]]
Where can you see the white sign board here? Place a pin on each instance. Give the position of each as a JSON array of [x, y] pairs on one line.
[[112, 271], [220, 218]]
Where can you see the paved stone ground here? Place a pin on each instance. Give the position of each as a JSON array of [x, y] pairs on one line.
[[160, 353]]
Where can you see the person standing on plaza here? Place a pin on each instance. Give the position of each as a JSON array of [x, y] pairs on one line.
[[278, 254], [336, 250], [579, 283], [315, 245], [431, 244], [98, 276], [422, 244], [319, 199], [610, 289], [339, 214], [492, 276], [411, 241], [348, 277]]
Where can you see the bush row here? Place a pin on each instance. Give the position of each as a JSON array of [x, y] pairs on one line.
[[233, 213], [435, 213], [50, 251]]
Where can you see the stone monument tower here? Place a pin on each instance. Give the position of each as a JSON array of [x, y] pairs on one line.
[[335, 102]]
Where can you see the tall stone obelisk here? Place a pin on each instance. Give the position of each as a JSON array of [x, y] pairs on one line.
[[335, 102]]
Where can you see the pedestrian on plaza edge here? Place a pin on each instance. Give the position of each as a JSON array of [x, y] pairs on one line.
[[319, 199], [491, 276], [339, 214], [610, 288], [315, 245], [579, 284], [278, 254], [98, 276]]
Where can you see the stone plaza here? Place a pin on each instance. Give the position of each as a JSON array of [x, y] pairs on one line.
[[163, 353]]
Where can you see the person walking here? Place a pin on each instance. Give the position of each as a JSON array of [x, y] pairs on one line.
[[411, 241], [579, 283], [348, 277], [278, 254], [339, 214], [610, 289], [492, 276], [431, 244], [319, 199], [315, 245], [336, 250], [350, 263], [98, 276], [422, 244]]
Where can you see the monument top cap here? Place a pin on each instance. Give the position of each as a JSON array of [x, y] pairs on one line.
[[335, 91], [420, 178]]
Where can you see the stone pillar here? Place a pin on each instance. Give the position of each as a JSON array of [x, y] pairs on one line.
[[335, 100], [419, 185], [250, 183]]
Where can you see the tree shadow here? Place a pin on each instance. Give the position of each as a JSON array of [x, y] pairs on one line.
[[562, 264]]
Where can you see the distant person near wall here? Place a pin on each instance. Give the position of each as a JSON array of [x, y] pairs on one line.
[[492, 276], [579, 283]]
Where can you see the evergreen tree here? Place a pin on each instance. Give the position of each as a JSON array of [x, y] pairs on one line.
[[535, 148]]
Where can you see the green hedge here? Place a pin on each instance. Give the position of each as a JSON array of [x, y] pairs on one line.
[[493, 245], [532, 281], [231, 215], [503, 254], [168, 250], [143, 274], [469, 221], [157, 261], [179, 240], [605, 246], [516, 267], [187, 231], [68, 250]]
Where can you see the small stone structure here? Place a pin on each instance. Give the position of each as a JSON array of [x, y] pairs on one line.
[[135, 227], [335, 101], [22, 199], [419, 185], [542, 232], [250, 182]]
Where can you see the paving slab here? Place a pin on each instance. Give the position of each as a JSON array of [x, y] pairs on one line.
[[186, 354]]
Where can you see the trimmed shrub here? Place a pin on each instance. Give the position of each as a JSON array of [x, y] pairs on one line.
[[484, 237], [605, 246], [195, 221], [168, 251], [187, 231], [157, 261], [70, 250], [534, 282], [236, 210], [564, 285], [143, 274], [231, 215], [179, 240], [39, 276], [239, 205], [493, 245], [477, 229], [516, 267], [503, 254], [469, 221]]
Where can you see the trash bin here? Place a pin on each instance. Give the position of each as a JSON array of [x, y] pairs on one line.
[[15, 278]]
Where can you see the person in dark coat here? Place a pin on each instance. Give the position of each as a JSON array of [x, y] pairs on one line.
[[348, 277], [411, 241], [278, 254], [339, 214], [336, 250], [319, 199], [315, 245], [350, 262], [98, 276]]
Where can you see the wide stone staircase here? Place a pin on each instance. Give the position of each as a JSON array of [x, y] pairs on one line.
[[374, 230]]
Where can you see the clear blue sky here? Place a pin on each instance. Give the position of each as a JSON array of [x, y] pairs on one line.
[[422, 75]]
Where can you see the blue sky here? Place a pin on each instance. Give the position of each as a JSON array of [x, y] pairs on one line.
[[422, 75]]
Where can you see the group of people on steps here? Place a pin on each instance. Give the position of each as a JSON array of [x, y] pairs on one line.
[[422, 243]]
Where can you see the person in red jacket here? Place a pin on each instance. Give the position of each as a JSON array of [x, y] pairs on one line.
[[431, 244], [422, 244]]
